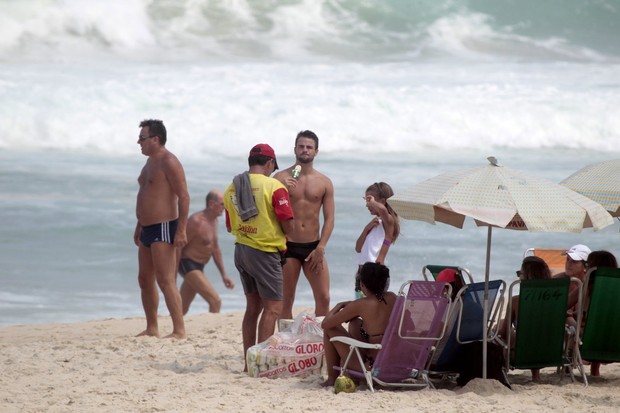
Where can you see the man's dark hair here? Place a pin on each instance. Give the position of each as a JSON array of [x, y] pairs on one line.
[[156, 128], [258, 160], [310, 135]]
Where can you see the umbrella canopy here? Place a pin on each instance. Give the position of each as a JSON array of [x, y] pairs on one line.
[[495, 196], [599, 182], [501, 197]]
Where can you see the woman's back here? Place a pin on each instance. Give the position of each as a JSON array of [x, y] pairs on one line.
[[375, 315]]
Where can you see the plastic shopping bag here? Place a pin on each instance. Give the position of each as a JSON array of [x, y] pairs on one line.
[[296, 351]]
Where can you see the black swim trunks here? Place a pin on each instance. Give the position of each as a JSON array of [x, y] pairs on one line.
[[300, 250], [186, 265], [162, 232]]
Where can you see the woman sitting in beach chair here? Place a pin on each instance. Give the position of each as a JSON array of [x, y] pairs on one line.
[[596, 259], [367, 318], [575, 266], [532, 268]]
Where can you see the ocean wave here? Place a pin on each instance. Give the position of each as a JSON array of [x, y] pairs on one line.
[[302, 30], [224, 110]]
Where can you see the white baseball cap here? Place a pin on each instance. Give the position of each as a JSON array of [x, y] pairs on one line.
[[578, 252]]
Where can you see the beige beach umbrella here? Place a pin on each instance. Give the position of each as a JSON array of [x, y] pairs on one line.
[[496, 196], [600, 182]]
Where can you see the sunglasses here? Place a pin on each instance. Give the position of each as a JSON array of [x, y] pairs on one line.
[[519, 273], [143, 138]]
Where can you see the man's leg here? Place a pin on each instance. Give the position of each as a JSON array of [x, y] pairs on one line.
[[253, 308], [164, 262], [319, 282], [187, 295], [271, 313], [199, 283], [290, 273], [148, 291]]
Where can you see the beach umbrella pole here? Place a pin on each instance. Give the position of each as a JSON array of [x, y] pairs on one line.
[[485, 304]]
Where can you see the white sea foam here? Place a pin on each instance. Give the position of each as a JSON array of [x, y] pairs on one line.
[[224, 109]]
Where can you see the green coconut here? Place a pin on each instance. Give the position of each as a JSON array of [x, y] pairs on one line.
[[344, 384]]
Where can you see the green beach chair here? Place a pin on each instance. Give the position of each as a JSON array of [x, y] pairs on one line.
[[430, 272], [541, 334], [601, 335]]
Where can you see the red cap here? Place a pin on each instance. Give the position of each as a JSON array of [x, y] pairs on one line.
[[446, 275], [265, 150]]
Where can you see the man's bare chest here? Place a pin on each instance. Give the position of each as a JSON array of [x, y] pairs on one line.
[[308, 191]]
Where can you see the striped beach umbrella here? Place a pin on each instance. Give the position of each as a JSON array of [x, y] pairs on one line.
[[599, 182], [496, 196]]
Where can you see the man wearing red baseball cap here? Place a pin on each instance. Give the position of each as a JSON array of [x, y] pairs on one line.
[[265, 150], [259, 214]]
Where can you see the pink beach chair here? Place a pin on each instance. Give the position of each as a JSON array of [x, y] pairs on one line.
[[417, 323]]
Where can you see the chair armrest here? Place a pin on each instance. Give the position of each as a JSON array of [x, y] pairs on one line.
[[356, 343]]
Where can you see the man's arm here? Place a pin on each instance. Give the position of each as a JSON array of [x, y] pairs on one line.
[[329, 211], [288, 226], [136, 234], [219, 263], [176, 178], [138, 229], [282, 207], [315, 258]]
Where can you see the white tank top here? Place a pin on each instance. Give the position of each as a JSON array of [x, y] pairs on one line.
[[372, 245]]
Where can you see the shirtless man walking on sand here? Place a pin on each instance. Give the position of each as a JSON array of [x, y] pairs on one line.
[[309, 192], [162, 206], [201, 245]]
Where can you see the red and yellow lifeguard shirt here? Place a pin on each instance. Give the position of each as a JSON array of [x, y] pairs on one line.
[[262, 232]]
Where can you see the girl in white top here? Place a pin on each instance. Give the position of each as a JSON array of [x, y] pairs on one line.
[[381, 232]]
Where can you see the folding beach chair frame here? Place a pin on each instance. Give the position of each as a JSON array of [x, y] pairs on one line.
[[602, 314], [495, 308], [434, 270], [495, 311], [398, 314], [571, 357]]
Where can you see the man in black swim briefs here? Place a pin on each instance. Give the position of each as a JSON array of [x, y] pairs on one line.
[[202, 244], [310, 191]]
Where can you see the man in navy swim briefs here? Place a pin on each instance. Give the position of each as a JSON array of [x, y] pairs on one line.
[[162, 207]]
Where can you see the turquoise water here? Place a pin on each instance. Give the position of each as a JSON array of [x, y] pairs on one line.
[[397, 91]]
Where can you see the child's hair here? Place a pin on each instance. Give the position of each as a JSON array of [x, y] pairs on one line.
[[535, 268], [375, 277], [382, 190]]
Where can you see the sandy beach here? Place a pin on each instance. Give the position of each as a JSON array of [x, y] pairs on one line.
[[100, 366]]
